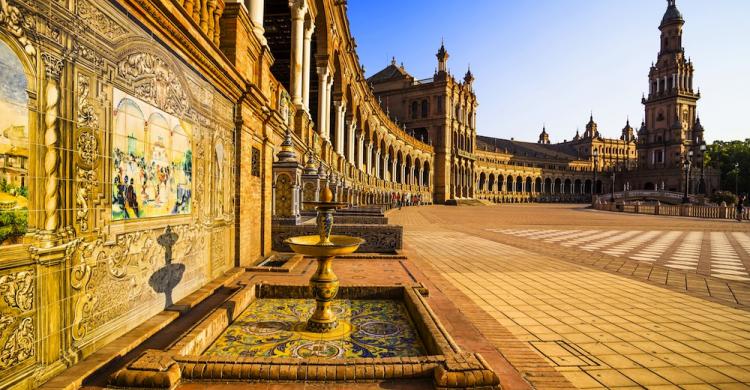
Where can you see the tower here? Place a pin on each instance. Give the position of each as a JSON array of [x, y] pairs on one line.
[[442, 57], [670, 107], [628, 134], [591, 129], [544, 137], [469, 78]]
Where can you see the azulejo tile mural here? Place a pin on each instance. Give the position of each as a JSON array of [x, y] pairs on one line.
[[276, 328], [152, 161]]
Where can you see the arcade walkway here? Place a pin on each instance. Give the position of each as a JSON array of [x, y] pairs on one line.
[[594, 299]]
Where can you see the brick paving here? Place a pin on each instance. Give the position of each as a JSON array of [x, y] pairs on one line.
[[600, 320]]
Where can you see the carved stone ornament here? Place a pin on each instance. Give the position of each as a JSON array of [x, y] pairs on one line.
[[17, 290], [19, 346], [52, 65], [99, 21], [88, 148], [116, 274], [17, 24], [154, 82], [87, 54], [85, 179], [86, 115]]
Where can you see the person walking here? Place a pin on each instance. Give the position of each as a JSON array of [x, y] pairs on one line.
[[740, 207]]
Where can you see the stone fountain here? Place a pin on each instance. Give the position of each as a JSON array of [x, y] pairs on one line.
[[324, 247]]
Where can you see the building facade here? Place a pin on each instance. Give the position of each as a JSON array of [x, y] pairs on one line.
[[666, 149]]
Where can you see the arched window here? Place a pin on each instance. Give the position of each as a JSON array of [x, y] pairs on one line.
[[425, 108], [414, 110]]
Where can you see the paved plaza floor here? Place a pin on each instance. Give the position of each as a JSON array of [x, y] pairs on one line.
[[572, 297]]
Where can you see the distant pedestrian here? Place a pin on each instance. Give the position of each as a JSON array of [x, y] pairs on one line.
[[740, 207]]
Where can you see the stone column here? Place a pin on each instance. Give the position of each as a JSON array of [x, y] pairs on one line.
[[377, 164], [299, 10], [369, 169], [385, 168], [340, 138], [394, 166], [309, 29], [324, 112], [350, 146], [360, 151], [329, 97], [339, 110], [256, 16]]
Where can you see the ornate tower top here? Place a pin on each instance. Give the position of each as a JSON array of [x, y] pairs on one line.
[[591, 128], [442, 56], [544, 137], [469, 77], [627, 132], [672, 14]]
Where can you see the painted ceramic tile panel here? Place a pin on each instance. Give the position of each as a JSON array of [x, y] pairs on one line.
[[14, 148], [276, 327], [152, 161]]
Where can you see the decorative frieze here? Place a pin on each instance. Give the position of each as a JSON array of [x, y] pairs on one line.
[[99, 21], [154, 82]]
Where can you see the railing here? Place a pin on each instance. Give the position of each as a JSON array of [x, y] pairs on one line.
[[683, 210], [423, 81]]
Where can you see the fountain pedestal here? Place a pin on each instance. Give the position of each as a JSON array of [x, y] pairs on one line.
[[324, 247]]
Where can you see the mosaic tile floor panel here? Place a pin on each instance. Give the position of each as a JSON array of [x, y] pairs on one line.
[[276, 328]]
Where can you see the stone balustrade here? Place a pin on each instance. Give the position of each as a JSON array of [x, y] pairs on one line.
[[683, 210], [206, 14]]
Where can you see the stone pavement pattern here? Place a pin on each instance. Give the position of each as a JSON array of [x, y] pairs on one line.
[[673, 249], [597, 327]]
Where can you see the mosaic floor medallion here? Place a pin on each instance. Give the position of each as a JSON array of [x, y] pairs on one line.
[[276, 327]]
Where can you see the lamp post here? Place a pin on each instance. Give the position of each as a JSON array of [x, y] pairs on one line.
[[736, 175], [686, 164], [613, 185], [702, 184], [593, 184]]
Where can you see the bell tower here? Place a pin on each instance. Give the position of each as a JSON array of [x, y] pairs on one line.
[[670, 107]]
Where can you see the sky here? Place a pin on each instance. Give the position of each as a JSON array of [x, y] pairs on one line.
[[553, 62]]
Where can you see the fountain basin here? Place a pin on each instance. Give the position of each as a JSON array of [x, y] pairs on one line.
[[274, 327], [217, 350], [311, 245]]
